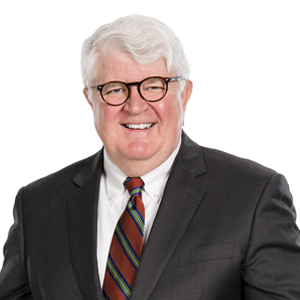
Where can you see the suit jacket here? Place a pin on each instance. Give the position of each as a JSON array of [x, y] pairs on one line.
[[225, 230]]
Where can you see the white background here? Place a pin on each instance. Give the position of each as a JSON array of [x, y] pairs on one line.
[[245, 65]]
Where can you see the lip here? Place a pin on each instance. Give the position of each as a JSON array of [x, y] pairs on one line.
[[144, 126]]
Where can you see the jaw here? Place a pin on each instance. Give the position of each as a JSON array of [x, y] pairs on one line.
[[139, 151], [132, 146]]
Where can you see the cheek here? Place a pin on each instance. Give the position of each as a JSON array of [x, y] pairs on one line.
[[171, 112], [98, 116], [105, 118]]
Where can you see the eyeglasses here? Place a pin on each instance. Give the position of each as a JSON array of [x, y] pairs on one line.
[[151, 89]]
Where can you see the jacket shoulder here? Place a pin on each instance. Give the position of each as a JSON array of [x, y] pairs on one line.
[[222, 163], [61, 179], [219, 163]]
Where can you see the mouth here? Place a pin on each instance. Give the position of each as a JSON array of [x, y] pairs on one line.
[[139, 126]]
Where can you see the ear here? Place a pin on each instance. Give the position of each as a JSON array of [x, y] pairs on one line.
[[186, 95], [86, 94]]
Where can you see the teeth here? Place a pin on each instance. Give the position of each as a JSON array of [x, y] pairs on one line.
[[138, 126]]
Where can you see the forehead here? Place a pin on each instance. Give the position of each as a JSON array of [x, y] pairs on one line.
[[121, 66]]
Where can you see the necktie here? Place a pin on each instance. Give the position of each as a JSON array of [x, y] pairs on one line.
[[126, 246]]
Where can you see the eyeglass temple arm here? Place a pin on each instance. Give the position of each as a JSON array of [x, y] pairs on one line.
[[178, 78], [94, 87]]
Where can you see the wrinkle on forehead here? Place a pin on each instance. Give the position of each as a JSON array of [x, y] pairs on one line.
[[121, 66]]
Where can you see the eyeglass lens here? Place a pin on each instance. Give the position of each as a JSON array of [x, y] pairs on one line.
[[152, 89]]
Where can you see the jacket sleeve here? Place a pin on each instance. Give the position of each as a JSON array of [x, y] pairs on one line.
[[271, 269], [14, 281]]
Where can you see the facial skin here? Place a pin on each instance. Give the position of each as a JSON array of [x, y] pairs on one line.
[[138, 151]]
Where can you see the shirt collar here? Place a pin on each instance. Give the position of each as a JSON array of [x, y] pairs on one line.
[[114, 178], [155, 180]]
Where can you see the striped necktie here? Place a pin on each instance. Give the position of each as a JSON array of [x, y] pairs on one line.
[[126, 246]]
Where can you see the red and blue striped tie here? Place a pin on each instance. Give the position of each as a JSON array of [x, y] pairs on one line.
[[126, 246]]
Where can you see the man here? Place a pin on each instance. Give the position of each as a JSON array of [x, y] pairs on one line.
[[199, 223]]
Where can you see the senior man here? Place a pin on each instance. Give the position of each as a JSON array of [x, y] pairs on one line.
[[199, 223]]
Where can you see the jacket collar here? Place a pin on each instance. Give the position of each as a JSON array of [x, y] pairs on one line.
[[82, 207]]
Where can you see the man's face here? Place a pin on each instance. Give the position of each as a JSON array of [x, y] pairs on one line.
[[146, 147]]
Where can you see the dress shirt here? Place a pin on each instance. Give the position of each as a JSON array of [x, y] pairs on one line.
[[113, 198]]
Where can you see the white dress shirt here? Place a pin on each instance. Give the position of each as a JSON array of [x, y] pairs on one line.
[[113, 198]]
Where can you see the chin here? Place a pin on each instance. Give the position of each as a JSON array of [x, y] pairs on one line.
[[139, 151]]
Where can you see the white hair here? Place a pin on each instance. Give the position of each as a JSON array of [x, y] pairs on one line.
[[145, 39]]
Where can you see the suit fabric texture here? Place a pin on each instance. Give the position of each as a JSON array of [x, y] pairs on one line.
[[225, 230]]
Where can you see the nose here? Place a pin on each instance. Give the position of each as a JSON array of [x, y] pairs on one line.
[[136, 105]]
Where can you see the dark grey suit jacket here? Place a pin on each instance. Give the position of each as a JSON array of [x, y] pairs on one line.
[[225, 230]]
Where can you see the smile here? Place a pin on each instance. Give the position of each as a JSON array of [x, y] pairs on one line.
[[139, 126]]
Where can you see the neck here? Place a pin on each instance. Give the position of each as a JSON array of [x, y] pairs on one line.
[[138, 168]]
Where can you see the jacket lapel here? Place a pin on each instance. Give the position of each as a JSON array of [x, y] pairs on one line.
[[82, 207], [182, 196]]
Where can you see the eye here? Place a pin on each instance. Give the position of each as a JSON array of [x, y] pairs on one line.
[[113, 89], [154, 84], [153, 87]]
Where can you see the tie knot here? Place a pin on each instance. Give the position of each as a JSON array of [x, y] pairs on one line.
[[134, 185]]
